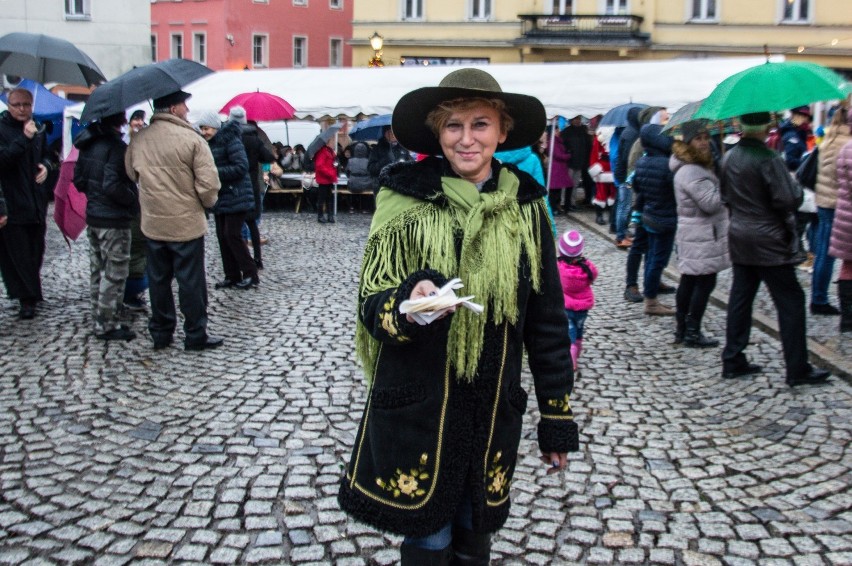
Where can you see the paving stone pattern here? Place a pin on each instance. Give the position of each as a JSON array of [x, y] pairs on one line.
[[113, 453]]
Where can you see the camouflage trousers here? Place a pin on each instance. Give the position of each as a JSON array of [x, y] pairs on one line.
[[109, 264]]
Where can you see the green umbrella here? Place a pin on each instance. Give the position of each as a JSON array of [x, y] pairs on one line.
[[772, 87]]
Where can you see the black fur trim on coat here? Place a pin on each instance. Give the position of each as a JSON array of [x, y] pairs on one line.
[[555, 436]]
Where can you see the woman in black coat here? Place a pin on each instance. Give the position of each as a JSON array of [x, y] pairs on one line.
[[235, 202]]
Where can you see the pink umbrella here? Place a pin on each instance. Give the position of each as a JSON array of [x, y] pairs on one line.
[[69, 207], [261, 106]]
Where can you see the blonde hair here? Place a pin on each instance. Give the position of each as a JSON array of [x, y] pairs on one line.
[[839, 118], [437, 119]]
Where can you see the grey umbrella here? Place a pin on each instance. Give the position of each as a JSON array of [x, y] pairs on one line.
[[44, 59], [321, 140], [140, 84]]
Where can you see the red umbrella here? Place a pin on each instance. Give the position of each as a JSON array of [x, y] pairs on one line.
[[261, 106], [69, 207]]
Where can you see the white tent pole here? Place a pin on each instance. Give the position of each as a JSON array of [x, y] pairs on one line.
[[550, 151], [335, 184]]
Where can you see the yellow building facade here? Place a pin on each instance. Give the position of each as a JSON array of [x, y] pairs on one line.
[[422, 32]]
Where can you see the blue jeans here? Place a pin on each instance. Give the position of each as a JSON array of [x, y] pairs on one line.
[[622, 210], [444, 537], [823, 263], [576, 323], [660, 245]]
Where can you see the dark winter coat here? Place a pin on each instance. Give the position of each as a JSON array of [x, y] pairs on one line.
[[653, 182], [26, 201], [447, 435], [578, 142], [3, 210], [625, 142], [840, 245], [357, 171], [112, 199], [233, 168], [257, 153], [762, 197], [560, 172], [794, 140], [383, 153], [702, 219]]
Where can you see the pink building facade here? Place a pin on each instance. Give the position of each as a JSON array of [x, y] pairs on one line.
[[253, 34]]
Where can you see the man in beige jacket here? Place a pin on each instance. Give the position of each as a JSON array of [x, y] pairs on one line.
[[177, 180]]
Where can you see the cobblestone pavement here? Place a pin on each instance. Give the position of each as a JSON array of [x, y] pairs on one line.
[[116, 453]]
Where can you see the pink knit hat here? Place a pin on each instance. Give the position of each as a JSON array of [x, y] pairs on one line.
[[571, 244]]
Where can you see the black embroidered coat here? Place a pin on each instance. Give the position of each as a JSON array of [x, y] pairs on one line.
[[426, 438]]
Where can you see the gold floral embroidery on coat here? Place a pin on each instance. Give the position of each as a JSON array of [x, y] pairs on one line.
[[388, 318], [499, 484], [563, 405], [410, 484]]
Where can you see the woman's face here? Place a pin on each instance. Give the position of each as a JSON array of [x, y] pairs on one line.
[[469, 140], [208, 132], [701, 142]]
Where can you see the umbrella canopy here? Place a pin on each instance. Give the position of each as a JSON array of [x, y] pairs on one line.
[[44, 58], [321, 140], [617, 117], [69, 209], [686, 114], [140, 84], [772, 87], [370, 129], [261, 106]]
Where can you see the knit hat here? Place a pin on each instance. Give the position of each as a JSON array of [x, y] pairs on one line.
[[237, 114], [137, 115], [803, 110], [208, 118], [571, 244], [177, 97], [756, 119], [692, 129]]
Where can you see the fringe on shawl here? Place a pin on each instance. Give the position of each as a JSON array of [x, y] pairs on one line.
[[424, 237]]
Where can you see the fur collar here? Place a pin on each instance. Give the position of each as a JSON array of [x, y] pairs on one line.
[[688, 154], [422, 179]]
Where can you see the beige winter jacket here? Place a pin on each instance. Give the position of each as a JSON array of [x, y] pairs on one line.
[[177, 179], [826, 184]]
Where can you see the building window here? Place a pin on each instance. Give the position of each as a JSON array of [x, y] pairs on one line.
[[562, 7], [199, 48], [260, 1], [154, 47], [260, 50], [177, 46], [412, 9], [77, 10], [480, 9], [615, 7], [703, 9], [335, 53], [335, 4], [796, 10], [300, 51], [300, 2]]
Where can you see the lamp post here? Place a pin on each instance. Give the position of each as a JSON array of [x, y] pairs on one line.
[[376, 42]]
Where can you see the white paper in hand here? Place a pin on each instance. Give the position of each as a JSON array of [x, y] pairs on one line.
[[428, 309]]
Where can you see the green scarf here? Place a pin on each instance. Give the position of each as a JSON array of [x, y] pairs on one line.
[[409, 234]]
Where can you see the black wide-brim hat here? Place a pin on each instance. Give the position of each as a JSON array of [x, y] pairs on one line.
[[409, 116]]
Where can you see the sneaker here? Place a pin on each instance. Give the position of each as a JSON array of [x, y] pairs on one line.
[[633, 295]]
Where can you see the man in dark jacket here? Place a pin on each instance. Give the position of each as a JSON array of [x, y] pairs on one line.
[[24, 165], [386, 151], [762, 197], [112, 203], [578, 142]]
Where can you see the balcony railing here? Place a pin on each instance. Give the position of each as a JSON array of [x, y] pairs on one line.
[[591, 28]]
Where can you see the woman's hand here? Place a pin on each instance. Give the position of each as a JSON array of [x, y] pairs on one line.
[[555, 460], [426, 288]]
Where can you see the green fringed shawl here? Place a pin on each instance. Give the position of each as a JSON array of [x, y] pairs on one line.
[[409, 234]]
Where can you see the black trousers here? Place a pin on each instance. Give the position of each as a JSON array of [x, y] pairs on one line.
[[324, 197], [21, 256], [236, 260], [183, 261], [789, 301], [693, 294]]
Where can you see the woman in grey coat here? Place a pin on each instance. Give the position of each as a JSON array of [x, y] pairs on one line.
[[702, 232]]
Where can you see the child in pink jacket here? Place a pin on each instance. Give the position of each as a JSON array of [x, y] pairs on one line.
[[577, 275]]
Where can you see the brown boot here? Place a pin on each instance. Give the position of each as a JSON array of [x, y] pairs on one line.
[[656, 308]]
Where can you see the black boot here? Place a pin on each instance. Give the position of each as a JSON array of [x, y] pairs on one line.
[[844, 291], [321, 218], [411, 555], [680, 327], [693, 338], [599, 219], [330, 218], [471, 548]]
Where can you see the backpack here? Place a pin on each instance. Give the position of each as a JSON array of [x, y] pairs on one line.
[[806, 173]]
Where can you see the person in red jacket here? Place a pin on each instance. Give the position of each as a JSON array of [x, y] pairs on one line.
[[326, 176]]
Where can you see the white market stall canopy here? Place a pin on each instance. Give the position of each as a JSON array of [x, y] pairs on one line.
[[566, 89]]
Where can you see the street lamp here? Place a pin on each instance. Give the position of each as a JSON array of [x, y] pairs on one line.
[[376, 42]]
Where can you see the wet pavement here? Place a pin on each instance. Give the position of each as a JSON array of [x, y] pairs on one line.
[[118, 454]]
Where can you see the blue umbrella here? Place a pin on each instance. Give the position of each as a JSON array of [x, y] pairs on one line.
[[371, 129], [617, 116]]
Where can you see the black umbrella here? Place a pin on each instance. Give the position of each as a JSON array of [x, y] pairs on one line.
[[140, 84], [321, 139], [44, 59]]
